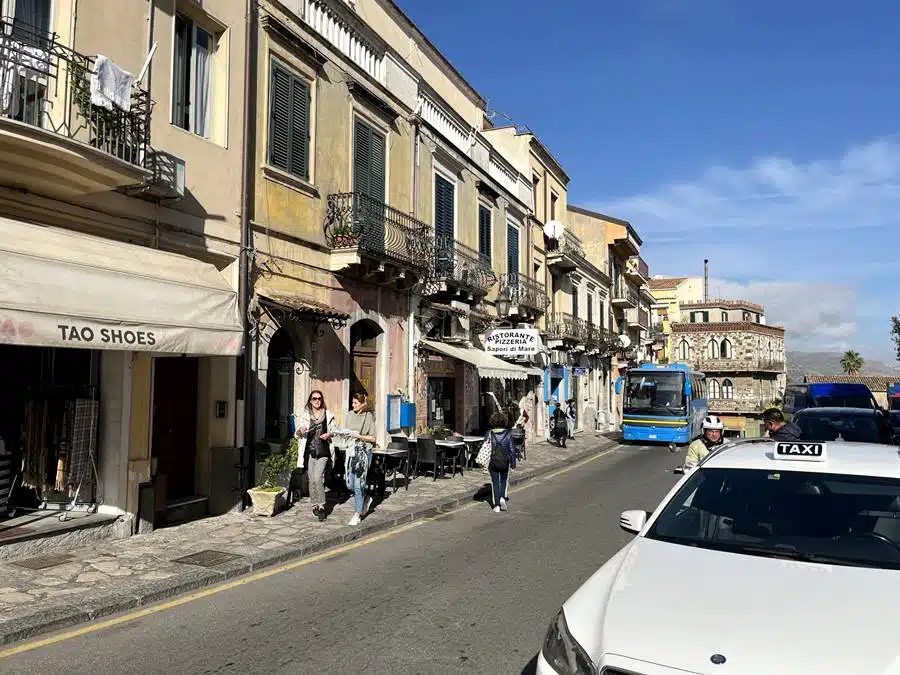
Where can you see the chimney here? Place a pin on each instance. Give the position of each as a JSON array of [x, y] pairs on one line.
[[706, 281]]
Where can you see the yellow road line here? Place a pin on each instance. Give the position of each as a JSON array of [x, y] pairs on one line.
[[264, 574]]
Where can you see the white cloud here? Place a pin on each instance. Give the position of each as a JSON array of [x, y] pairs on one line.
[[805, 239]]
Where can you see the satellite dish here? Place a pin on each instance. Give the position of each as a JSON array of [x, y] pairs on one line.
[[625, 341], [554, 229]]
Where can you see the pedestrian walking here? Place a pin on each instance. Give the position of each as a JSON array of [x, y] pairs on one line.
[[361, 424], [559, 430], [315, 449], [570, 417], [503, 458]]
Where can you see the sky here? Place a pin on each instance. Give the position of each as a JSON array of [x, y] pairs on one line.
[[763, 135]]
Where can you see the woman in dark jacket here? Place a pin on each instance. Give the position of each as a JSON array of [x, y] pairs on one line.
[[503, 458]]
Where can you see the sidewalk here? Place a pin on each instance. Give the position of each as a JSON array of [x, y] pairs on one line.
[[59, 590]]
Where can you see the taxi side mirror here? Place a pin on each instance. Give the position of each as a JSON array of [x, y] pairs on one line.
[[633, 521], [678, 471]]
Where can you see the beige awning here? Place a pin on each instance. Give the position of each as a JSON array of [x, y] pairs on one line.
[[64, 289], [487, 365]]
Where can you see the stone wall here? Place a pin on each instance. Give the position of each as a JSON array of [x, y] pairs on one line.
[[742, 349]]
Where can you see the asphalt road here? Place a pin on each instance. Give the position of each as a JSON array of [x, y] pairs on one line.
[[470, 592]]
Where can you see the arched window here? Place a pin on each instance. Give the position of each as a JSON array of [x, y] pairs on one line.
[[726, 350], [715, 389], [727, 389], [712, 349], [684, 350]]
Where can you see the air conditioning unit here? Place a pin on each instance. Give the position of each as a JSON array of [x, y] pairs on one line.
[[456, 329]]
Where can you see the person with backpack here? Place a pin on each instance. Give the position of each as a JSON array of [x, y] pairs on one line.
[[503, 458]]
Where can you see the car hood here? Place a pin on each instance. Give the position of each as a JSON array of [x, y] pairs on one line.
[[676, 606]]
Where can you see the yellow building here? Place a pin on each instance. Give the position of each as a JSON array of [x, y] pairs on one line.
[[669, 293]]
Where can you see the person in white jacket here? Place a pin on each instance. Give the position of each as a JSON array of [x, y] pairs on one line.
[[315, 448]]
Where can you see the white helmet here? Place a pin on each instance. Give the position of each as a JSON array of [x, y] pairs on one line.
[[713, 422]]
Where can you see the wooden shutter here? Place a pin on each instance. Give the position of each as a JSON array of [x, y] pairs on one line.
[[369, 170], [443, 207], [512, 248], [289, 104], [300, 128], [484, 232]]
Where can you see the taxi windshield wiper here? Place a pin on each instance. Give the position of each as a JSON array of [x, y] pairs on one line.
[[794, 554]]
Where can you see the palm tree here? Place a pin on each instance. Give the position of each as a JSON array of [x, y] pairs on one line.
[[852, 362]]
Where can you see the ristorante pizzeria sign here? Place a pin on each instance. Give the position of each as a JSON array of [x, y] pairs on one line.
[[512, 341]]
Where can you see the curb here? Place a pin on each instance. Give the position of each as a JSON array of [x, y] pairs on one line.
[[195, 579]]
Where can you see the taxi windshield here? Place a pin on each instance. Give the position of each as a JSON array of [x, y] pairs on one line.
[[813, 517]]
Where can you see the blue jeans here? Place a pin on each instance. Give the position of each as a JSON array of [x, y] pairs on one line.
[[357, 484], [499, 486]]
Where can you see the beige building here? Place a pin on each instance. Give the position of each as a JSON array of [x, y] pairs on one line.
[[742, 358], [120, 222], [384, 220], [668, 294]]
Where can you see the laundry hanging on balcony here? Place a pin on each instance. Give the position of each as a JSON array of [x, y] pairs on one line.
[[110, 85]]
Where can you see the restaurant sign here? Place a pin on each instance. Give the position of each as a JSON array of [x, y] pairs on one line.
[[512, 341]]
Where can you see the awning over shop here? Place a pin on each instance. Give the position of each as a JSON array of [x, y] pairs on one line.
[[487, 365], [302, 308], [64, 289]]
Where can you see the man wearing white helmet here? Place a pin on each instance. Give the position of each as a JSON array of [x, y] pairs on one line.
[[712, 436]]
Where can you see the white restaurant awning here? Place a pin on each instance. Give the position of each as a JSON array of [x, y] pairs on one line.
[[487, 365], [64, 289]]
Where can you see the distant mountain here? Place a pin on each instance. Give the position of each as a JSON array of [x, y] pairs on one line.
[[829, 363]]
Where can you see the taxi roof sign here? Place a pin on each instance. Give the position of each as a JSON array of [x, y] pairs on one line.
[[801, 451]]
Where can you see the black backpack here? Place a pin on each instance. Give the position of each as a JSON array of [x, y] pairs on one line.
[[499, 458]]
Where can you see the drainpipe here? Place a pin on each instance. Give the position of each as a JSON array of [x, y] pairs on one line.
[[411, 318], [246, 260]]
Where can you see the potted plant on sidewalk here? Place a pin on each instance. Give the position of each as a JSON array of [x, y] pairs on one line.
[[269, 496]]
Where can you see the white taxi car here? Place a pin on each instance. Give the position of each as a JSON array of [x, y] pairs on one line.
[[767, 558]]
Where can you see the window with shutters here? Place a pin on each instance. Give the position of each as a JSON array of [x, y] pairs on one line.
[[484, 233], [512, 248], [289, 126], [369, 161], [590, 310], [192, 75], [444, 224], [575, 302]]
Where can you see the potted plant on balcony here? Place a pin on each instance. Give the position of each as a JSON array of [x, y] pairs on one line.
[[269, 496], [344, 237]]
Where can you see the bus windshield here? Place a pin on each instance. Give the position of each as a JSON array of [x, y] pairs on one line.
[[654, 392]]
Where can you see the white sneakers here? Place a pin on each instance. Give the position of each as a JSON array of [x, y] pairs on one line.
[[502, 504], [496, 509], [354, 521]]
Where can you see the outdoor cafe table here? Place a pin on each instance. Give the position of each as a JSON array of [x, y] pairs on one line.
[[459, 446]]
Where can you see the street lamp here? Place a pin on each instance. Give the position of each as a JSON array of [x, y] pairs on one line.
[[503, 306]]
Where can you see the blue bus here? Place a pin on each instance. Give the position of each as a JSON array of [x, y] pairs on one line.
[[662, 403]]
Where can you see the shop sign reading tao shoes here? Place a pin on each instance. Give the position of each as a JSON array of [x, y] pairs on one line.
[[512, 341]]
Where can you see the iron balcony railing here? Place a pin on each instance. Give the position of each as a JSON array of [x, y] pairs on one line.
[[462, 265], [569, 244], [47, 85], [562, 325], [523, 291], [353, 220], [623, 292], [637, 266], [601, 338]]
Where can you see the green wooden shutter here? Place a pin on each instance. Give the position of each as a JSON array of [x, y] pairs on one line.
[[377, 169], [484, 232], [362, 151], [512, 249], [443, 207], [300, 129], [280, 119]]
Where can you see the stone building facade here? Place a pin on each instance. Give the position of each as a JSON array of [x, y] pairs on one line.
[[742, 357]]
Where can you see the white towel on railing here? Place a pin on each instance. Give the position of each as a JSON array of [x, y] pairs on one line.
[[110, 85]]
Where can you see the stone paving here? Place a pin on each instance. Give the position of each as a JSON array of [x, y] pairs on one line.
[[105, 577]]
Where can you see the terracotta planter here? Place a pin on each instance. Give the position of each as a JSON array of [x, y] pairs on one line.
[[266, 503]]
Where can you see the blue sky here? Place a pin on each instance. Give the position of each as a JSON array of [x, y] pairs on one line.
[[761, 134]]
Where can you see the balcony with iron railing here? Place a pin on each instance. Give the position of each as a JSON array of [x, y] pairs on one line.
[[637, 269], [526, 297], [459, 268], [564, 326], [624, 296], [370, 239], [565, 253], [54, 140], [601, 339]]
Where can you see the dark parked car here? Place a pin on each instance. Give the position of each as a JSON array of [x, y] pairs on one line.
[[855, 425]]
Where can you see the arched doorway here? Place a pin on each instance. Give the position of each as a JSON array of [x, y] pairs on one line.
[[280, 385], [364, 359]]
